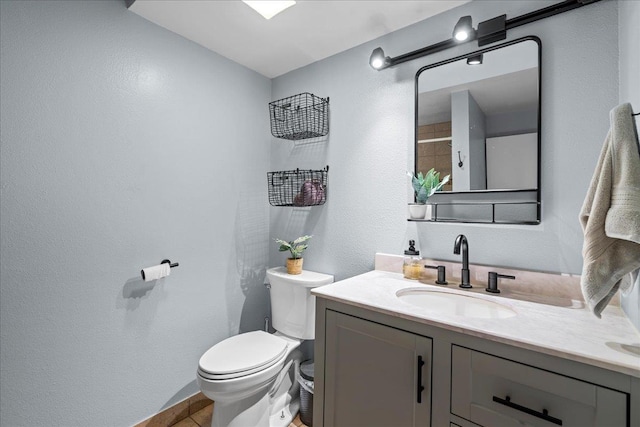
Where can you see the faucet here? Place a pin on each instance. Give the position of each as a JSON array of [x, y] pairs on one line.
[[461, 240]]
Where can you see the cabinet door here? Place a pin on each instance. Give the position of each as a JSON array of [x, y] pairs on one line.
[[375, 375]]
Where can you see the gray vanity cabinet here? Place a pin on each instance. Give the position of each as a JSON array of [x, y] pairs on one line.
[[367, 374], [375, 375]]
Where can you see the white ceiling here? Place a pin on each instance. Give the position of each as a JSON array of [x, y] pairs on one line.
[[307, 32]]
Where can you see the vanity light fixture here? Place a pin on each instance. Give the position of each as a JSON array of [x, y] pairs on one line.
[[377, 59], [463, 30], [492, 30], [475, 60], [269, 9], [489, 31]]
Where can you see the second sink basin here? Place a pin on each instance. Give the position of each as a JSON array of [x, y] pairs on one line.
[[456, 304]]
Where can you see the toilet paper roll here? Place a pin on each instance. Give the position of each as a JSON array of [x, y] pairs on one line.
[[156, 272]]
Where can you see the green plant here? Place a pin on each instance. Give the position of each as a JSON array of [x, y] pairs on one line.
[[427, 184], [296, 247]]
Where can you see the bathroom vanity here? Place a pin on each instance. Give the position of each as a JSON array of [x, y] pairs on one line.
[[396, 352]]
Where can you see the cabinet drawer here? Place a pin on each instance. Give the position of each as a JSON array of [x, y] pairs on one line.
[[493, 391]]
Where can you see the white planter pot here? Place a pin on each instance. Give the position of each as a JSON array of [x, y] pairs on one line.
[[420, 211], [417, 210]]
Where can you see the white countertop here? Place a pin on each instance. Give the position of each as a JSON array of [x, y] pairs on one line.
[[576, 334]]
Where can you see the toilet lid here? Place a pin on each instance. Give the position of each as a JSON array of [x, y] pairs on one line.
[[245, 352]]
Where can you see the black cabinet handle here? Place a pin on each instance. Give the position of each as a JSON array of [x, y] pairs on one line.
[[420, 386], [544, 414]]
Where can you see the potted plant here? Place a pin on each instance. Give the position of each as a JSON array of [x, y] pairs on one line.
[[424, 186], [296, 248]]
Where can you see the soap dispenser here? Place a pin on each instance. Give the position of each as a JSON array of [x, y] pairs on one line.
[[412, 267]]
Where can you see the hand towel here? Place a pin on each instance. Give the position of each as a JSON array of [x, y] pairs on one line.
[[610, 215]]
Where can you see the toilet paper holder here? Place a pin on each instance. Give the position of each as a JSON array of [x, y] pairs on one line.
[[172, 265], [164, 261]]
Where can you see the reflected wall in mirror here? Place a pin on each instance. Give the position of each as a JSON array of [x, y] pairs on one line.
[[481, 124]]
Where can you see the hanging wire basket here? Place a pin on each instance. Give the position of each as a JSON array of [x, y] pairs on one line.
[[298, 187], [301, 116]]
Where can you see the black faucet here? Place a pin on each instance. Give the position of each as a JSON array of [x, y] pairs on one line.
[[461, 240]]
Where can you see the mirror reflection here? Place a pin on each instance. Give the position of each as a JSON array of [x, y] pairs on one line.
[[477, 119]]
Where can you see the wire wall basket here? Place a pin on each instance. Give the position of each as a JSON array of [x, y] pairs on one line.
[[298, 187], [301, 116]]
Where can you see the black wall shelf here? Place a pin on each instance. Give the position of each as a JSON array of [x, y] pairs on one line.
[[491, 220]]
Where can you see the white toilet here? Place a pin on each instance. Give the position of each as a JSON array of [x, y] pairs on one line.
[[251, 376]]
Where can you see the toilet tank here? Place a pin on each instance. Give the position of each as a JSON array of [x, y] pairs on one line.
[[293, 308]]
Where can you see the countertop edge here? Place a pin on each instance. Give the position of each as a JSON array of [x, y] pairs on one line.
[[615, 366]]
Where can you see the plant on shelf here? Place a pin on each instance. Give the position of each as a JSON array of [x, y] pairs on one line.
[[425, 185], [296, 248]]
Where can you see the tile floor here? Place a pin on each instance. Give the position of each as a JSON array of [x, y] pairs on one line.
[[202, 418]]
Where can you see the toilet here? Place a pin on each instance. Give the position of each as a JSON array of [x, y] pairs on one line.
[[251, 376]]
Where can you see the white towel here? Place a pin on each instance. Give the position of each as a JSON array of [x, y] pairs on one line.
[[610, 215]]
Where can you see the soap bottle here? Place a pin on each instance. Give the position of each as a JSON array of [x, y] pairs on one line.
[[412, 267]]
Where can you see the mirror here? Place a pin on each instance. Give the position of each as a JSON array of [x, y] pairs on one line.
[[478, 120]]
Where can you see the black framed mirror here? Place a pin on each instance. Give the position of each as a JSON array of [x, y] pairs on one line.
[[478, 120]]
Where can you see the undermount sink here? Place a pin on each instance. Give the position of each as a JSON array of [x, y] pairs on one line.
[[456, 304]]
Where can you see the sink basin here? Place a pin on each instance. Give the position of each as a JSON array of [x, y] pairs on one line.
[[456, 304]]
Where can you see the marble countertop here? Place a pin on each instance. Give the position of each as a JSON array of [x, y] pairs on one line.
[[572, 333]]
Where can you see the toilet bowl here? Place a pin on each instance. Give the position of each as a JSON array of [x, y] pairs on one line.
[[251, 376]]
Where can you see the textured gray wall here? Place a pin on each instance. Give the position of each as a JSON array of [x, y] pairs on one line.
[[121, 144], [628, 19], [371, 145]]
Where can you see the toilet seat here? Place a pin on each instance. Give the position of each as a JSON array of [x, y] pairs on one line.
[[242, 355]]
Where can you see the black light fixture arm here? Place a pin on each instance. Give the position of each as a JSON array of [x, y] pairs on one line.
[[418, 53], [489, 31], [546, 12]]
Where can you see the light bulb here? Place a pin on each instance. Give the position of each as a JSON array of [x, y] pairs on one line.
[[463, 29], [462, 35], [377, 59]]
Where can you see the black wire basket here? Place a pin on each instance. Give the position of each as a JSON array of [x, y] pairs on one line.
[[298, 187], [301, 116]]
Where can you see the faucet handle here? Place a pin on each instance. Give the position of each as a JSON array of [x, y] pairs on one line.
[[493, 281], [442, 274]]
